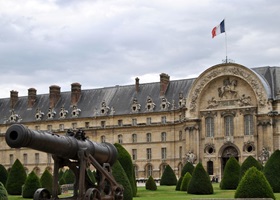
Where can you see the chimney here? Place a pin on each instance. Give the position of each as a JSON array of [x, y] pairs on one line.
[[31, 97], [137, 88], [75, 93], [54, 95], [164, 81], [13, 98]]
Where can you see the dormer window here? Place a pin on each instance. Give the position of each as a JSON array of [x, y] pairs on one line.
[[14, 117], [164, 104], [51, 113], [135, 107], [39, 114], [182, 101], [150, 105], [104, 110], [76, 111], [63, 113]]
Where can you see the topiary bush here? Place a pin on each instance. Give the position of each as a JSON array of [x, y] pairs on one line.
[[178, 185], [69, 176], [121, 178], [31, 184], [200, 181], [188, 167], [3, 192], [3, 174], [16, 179], [126, 162], [46, 180], [151, 184], [254, 185], [91, 176], [272, 171], [168, 177], [230, 178], [185, 182], [247, 164]]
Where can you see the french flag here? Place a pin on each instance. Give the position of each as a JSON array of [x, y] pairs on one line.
[[218, 29]]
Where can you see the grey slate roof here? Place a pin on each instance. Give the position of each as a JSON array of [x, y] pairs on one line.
[[117, 98]]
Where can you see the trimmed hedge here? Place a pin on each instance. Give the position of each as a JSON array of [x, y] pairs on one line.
[[16, 178], [69, 176], [230, 178], [200, 181], [121, 178], [247, 164], [254, 185], [46, 180], [188, 167], [3, 174], [272, 171], [31, 184], [185, 182], [126, 162], [179, 182], [3, 192], [168, 177], [151, 184]]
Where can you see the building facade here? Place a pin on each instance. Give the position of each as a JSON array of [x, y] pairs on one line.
[[228, 110]]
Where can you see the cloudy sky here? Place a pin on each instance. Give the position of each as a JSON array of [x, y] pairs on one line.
[[102, 43]]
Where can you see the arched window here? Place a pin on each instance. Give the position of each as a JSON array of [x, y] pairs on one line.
[[210, 167], [209, 126], [120, 139], [248, 125], [149, 170], [229, 125], [149, 137]]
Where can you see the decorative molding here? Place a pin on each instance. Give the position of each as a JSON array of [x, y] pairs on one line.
[[63, 113], [104, 109], [39, 114], [150, 105], [135, 107], [14, 117], [228, 112], [164, 104], [76, 111], [208, 114], [51, 113]]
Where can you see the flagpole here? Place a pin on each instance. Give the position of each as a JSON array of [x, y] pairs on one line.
[[226, 41]]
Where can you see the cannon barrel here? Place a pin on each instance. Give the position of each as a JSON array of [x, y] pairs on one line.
[[18, 136]]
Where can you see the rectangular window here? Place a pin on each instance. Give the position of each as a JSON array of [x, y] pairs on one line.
[[249, 125], [134, 138], [163, 119], [120, 139], [209, 122], [229, 125], [37, 159], [49, 159], [180, 152], [11, 159], [103, 124], [134, 122], [134, 154], [149, 120], [163, 136], [120, 122], [149, 137], [86, 124], [163, 153], [149, 153], [37, 128], [74, 126], [25, 161], [61, 127], [49, 127]]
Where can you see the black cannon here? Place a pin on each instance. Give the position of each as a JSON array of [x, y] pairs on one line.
[[77, 152]]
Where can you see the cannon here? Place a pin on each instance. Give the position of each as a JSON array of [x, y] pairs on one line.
[[77, 152]]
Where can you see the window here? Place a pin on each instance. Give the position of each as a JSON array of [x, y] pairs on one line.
[[103, 124], [103, 138], [163, 153], [134, 154], [209, 123], [249, 125], [149, 120], [49, 127], [49, 161], [134, 122], [25, 161], [37, 128], [149, 137], [134, 138], [11, 159], [180, 135], [163, 136], [136, 171], [229, 125], [61, 127], [74, 126], [37, 159], [86, 124], [210, 167], [149, 170], [120, 139], [163, 119], [149, 153], [120, 122], [180, 152]]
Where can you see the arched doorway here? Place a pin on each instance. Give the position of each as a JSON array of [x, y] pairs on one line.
[[229, 151]]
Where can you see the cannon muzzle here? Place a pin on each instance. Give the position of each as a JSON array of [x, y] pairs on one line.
[[18, 136]]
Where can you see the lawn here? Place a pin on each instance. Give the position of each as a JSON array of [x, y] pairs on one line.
[[168, 192]]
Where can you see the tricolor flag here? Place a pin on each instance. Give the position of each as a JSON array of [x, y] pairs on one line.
[[218, 29]]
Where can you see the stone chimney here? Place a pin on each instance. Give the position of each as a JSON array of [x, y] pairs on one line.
[[54, 95], [13, 98], [137, 88], [31, 97], [75, 93], [164, 82]]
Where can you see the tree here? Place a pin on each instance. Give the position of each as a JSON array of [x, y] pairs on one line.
[[200, 181], [31, 184], [247, 164], [151, 184], [185, 182], [272, 171], [126, 162], [168, 177], [69, 176], [16, 179], [46, 180], [188, 167], [230, 179], [3, 174], [121, 178], [254, 185], [3, 192]]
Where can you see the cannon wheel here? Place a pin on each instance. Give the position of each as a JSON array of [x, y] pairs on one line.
[[42, 194], [93, 194]]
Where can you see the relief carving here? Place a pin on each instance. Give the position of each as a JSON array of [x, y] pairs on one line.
[[228, 89]]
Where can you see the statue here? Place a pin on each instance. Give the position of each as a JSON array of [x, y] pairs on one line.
[[190, 156]]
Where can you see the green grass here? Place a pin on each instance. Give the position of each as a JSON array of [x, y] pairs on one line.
[[168, 192]]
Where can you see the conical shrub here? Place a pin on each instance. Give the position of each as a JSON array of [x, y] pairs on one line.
[[200, 181], [3, 192], [31, 184], [69, 176], [254, 185], [178, 185], [168, 177], [3, 174], [272, 171], [247, 164], [230, 178], [16, 179], [185, 182], [188, 167], [46, 180], [151, 184]]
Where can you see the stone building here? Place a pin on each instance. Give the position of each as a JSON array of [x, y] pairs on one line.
[[228, 110]]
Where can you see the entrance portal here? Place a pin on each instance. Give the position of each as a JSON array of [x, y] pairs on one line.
[[228, 152]]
